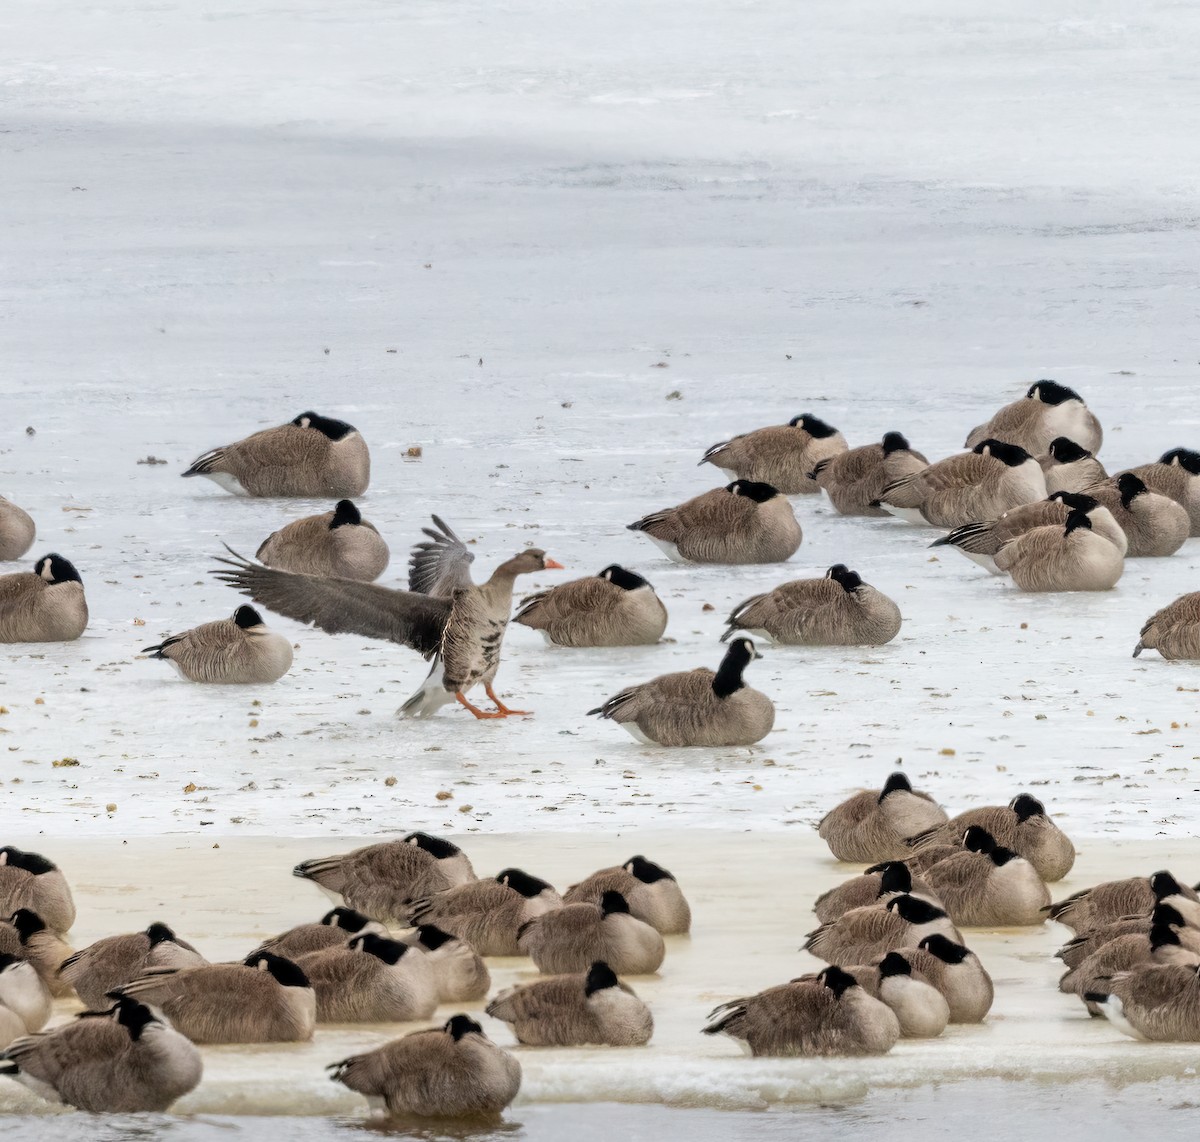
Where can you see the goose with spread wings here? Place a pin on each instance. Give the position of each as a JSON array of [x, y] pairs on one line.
[[444, 615]]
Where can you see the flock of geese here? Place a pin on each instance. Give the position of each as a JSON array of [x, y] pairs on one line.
[[414, 927], [1028, 499]]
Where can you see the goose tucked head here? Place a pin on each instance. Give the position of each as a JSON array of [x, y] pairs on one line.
[[613, 903], [600, 977], [1163, 884], [896, 877], [1051, 392], [388, 951], [432, 937], [894, 964], [754, 490], [895, 442], [283, 971], [1076, 501], [345, 918], [1166, 914], [814, 426], [1077, 521], [135, 1017], [619, 576], [728, 678], [326, 426], [845, 578], [1184, 458], [159, 933], [946, 949], [838, 981], [459, 1025], [33, 863], [436, 847], [1026, 806], [1130, 487], [978, 840], [247, 618], [55, 569], [896, 782], [345, 514], [914, 910], [520, 881], [1163, 935], [1011, 455], [1066, 451], [646, 870], [27, 923]]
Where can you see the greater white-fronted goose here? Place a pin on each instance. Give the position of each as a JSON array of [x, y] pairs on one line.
[[1048, 410], [1175, 630], [615, 608], [1062, 557], [311, 456], [114, 961], [17, 531], [1154, 524], [1068, 467], [696, 707], [783, 455], [236, 651], [339, 543], [871, 826], [653, 893], [855, 480], [1176, 473], [46, 604]]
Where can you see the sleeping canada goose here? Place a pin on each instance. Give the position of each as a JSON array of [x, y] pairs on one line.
[[23, 992], [864, 934], [744, 522], [339, 543], [827, 1014], [571, 938], [652, 892], [1048, 410], [980, 541], [1070, 468], [122, 1061], [265, 999], [458, 970], [614, 608], [985, 885], [1101, 904], [29, 880], [855, 480], [238, 650], [443, 1072], [114, 961], [444, 616], [956, 972], [921, 1010], [981, 484], [1159, 1002], [488, 914], [383, 880], [1175, 630], [1058, 557], [836, 610], [1154, 524], [331, 931], [783, 455], [371, 979], [17, 531], [869, 827], [1022, 825], [585, 1009], [45, 950], [877, 885], [696, 707], [312, 456], [46, 604], [1176, 474]]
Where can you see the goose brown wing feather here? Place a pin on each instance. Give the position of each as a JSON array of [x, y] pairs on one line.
[[441, 565]]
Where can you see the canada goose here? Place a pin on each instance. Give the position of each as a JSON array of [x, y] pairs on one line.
[[1022, 825], [1048, 410], [1175, 630], [1073, 557], [744, 522], [339, 543], [877, 885], [46, 950], [123, 1061], [921, 1010], [985, 885], [444, 1072], [783, 455], [236, 650], [864, 934], [331, 931], [696, 707], [23, 992], [29, 880], [956, 972], [444, 616], [114, 961], [1103, 903], [587, 1008], [652, 892], [383, 880], [1176, 474], [312, 456], [828, 1014], [17, 531], [487, 914], [573, 937], [837, 610], [46, 604], [980, 541], [1077, 950], [981, 484], [1154, 524], [458, 970], [1070, 468], [371, 979], [614, 608], [1159, 1002], [855, 480], [264, 999], [869, 827]]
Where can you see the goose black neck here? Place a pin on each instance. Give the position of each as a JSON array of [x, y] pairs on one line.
[[728, 679]]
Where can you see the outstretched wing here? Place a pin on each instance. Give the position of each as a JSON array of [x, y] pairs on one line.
[[342, 606], [440, 566]]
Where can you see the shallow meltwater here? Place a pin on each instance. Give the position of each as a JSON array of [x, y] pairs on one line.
[[751, 896]]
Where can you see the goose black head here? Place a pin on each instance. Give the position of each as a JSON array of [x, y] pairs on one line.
[[1076, 501], [7, 961], [1184, 458], [1066, 451], [459, 1025], [728, 678], [1163, 884], [326, 426], [894, 964], [247, 618], [838, 981], [372, 944], [135, 1017], [1161, 935], [895, 442], [914, 910], [33, 863], [896, 878], [978, 839], [27, 923], [1000, 856], [1011, 455], [814, 426], [944, 948], [345, 514], [619, 576], [1026, 806], [1077, 521], [845, 578], [754, 490], [612, 903], [55, 569], [646, 870], [1130, 487], [159, 933], [436, 847], [897, 781], [1166, 914], [1051, 392], [432, 937], [520, 881], [599, 977], [283, 971], [345, 918]]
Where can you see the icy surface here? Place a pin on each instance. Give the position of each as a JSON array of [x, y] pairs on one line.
[[563, 248]]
